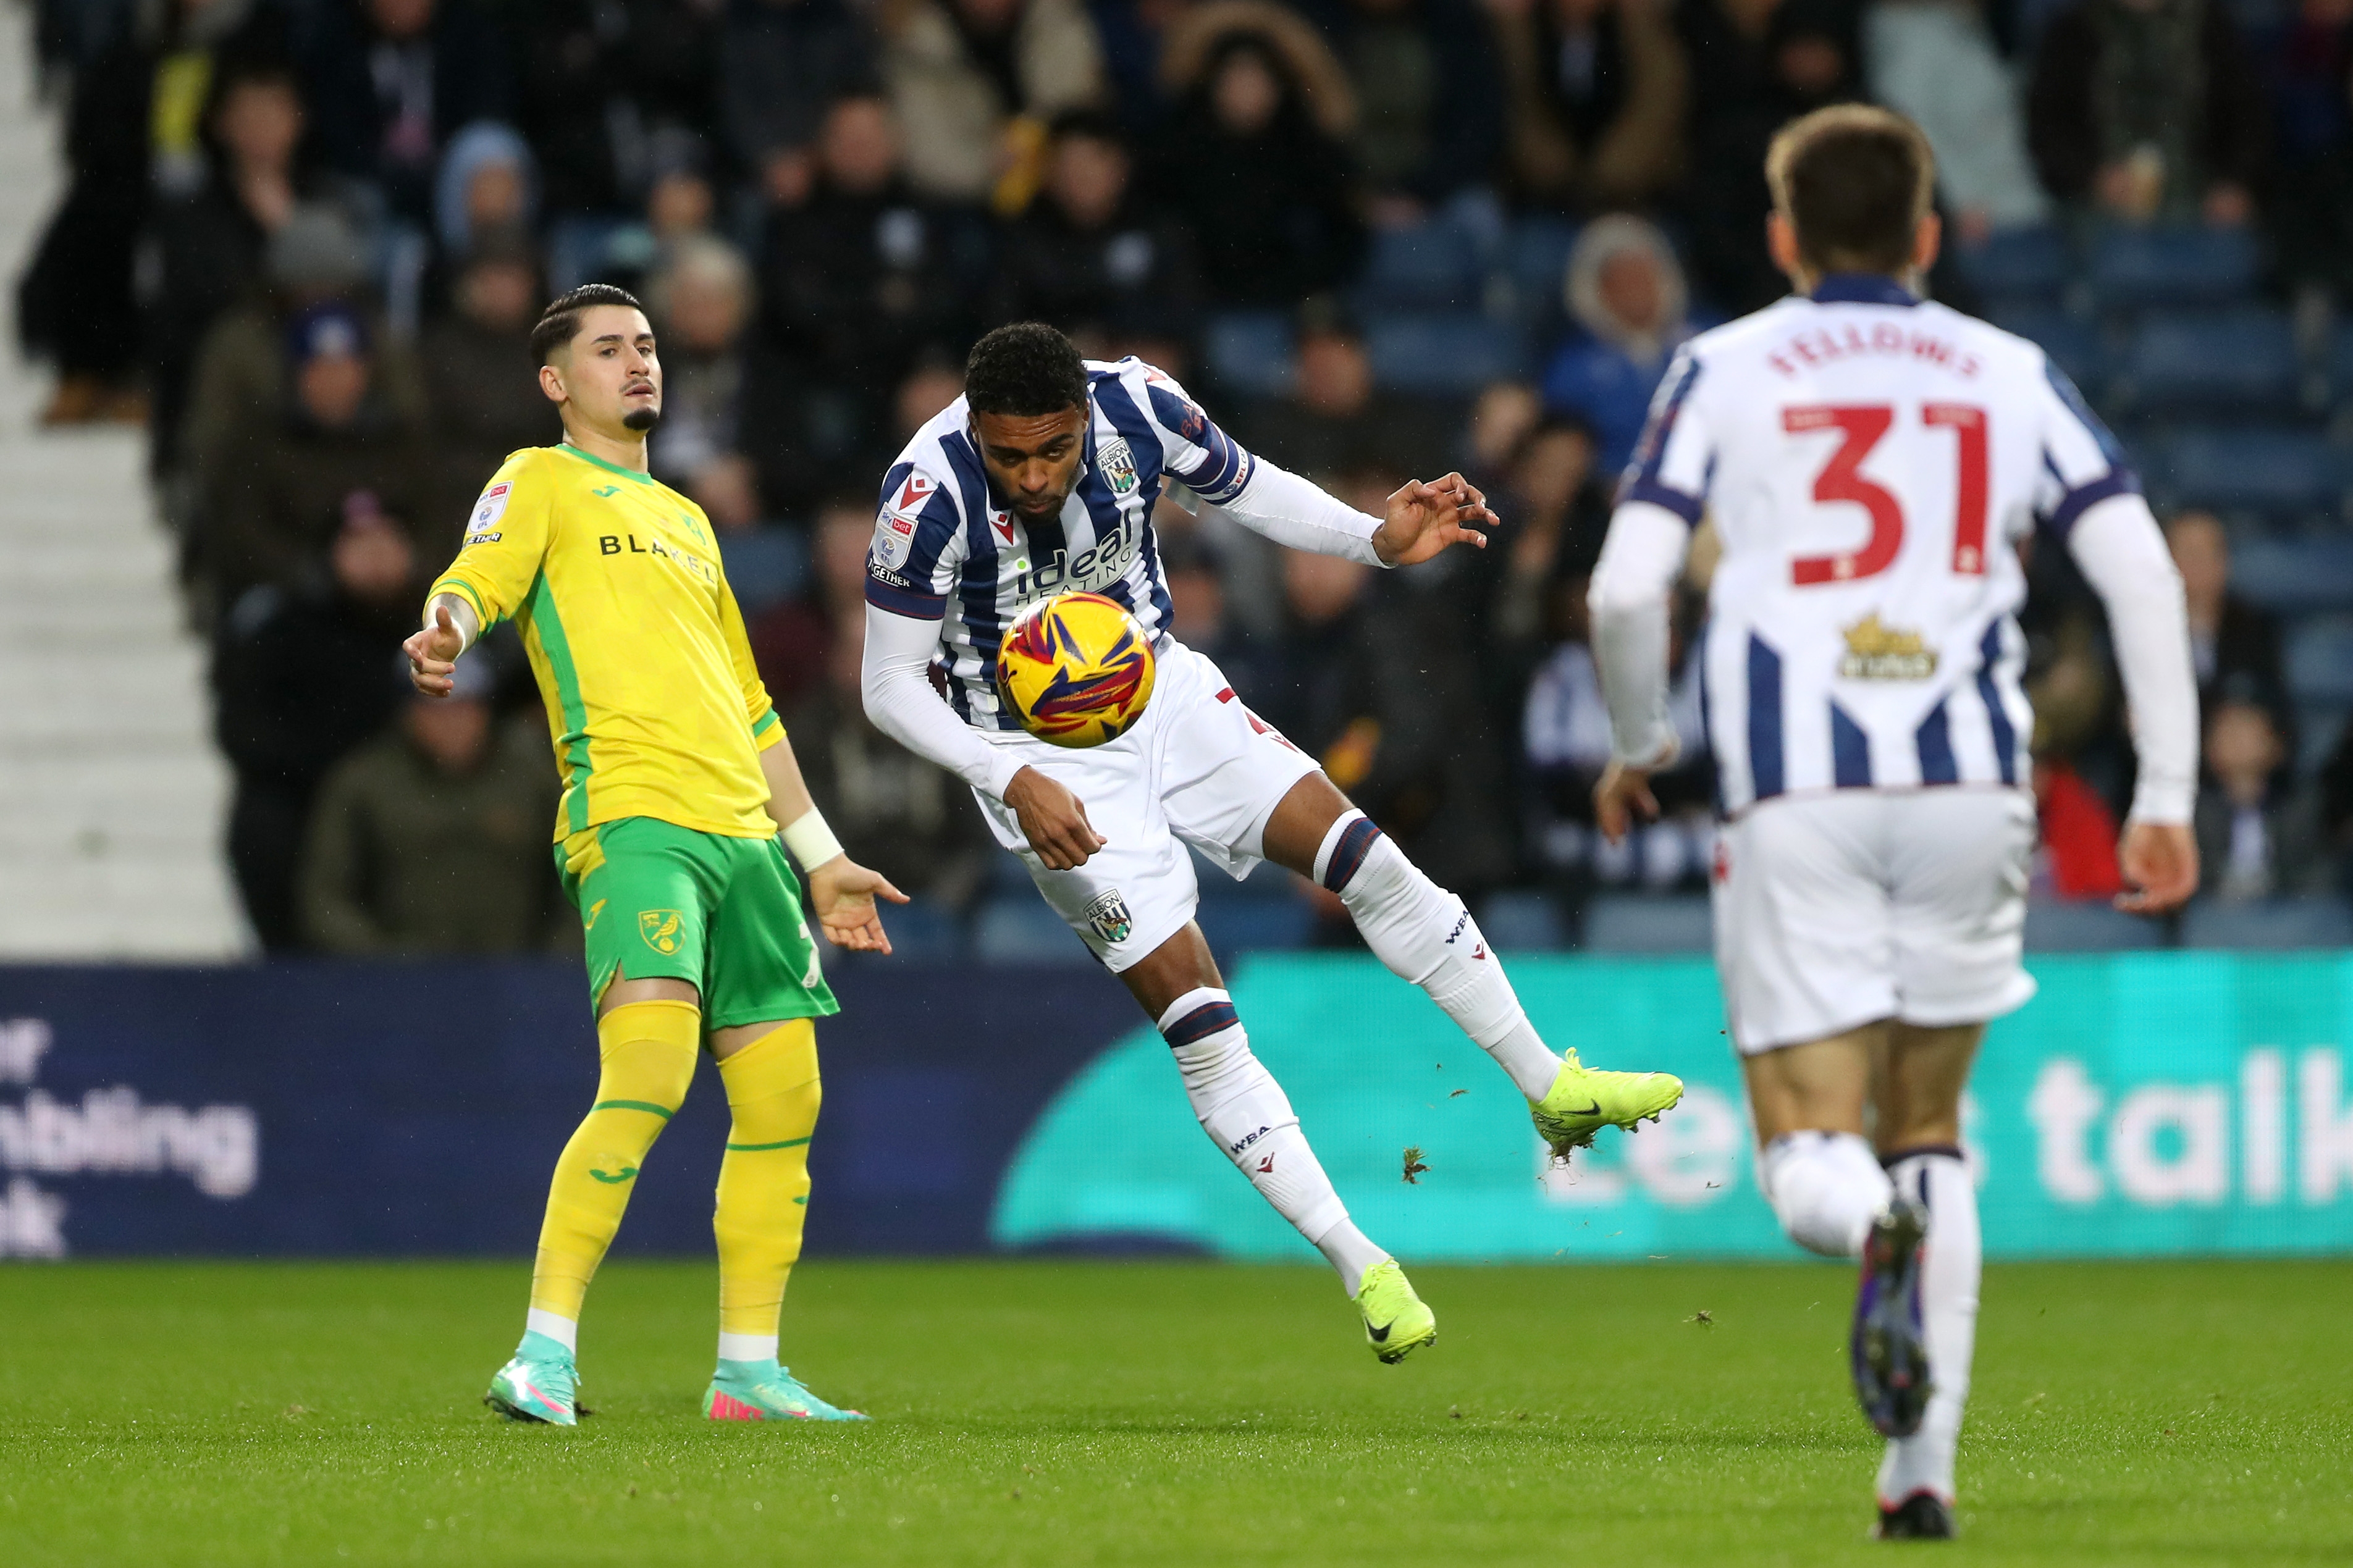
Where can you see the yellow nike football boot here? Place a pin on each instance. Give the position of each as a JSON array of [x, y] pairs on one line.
[[1583, 1101], [1397, 1324]]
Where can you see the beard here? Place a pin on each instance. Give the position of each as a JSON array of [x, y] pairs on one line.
[[641, 419]]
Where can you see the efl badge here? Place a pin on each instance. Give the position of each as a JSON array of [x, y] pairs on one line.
[[894, 536], [1109, 917], [487, 512], [662, 929], [1117, 464]]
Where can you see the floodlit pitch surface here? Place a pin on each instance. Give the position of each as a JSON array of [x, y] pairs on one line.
[[1077, 1413]]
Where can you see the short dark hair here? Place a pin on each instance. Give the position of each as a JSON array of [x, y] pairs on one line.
[[1853, 180], [560, 322], [1024, 368]]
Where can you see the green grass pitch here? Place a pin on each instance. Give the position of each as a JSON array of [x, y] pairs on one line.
[[1084, 1412]]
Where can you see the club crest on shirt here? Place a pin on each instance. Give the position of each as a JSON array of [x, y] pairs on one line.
[[1108, 916], [1117, 463], [1876, 652]]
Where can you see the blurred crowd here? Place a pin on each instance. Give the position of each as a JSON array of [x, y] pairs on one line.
[[304, 241]]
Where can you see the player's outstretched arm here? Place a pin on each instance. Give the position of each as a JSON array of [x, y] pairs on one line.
[[1423, 518], [842, 891]]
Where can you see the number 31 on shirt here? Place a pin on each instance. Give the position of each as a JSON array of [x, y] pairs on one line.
[[1861, 427]]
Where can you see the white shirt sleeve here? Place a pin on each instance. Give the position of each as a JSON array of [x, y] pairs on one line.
[[1629, 599], [2123, 556], [897, 686], [1297, 512]]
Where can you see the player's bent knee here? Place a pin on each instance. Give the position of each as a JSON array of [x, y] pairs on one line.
[[648, 1051]]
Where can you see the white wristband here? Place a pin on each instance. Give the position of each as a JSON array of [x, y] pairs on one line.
[[810, 841]]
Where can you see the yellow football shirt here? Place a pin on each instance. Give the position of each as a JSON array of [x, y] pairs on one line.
[[614, 582]]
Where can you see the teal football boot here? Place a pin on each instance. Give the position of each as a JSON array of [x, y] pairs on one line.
[[763, 1391], [541, 1384]]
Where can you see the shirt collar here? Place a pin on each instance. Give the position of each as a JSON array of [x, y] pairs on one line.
[[1861, 288]]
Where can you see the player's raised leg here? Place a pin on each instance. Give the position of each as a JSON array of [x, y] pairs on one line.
[[648, 1035], [1248, 1116], [1427, 936]]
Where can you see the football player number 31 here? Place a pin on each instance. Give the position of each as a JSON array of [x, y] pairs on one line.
[[1862, 428]]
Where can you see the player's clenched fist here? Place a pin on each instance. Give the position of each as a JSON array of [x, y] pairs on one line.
[[1053, 820], [433, 653]]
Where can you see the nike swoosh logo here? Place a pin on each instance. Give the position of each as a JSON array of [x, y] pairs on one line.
[[1592, 1109], [594, 911], [1380, 1336], [627, 1173]]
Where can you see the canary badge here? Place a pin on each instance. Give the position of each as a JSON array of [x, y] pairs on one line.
[[661, 929]]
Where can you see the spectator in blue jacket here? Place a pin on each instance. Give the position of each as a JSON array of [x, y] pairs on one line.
[[1626, 292]]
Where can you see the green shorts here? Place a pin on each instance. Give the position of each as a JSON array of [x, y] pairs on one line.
[[721, 914]]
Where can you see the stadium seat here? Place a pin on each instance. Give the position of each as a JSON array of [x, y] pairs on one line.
[[1022, 930], [2088, 928], [1441, 356], [2240, 360], [2073, 342], [2318, 731], [1432, 266], [764, 566], [1537, 257], [2274, 923], [2320, 661], [1249, 352], [2135, 269], [1258, 925], [1630, 922], [2283, 472], [1521, 920], [2017, 265], [2294, 576]]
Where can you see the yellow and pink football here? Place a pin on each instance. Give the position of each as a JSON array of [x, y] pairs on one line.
[[1076, 669]]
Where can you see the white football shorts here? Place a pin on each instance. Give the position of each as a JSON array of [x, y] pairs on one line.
[[1198, 767], [1838, 909]]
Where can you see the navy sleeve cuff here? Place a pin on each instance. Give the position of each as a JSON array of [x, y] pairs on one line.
[[906, 601]]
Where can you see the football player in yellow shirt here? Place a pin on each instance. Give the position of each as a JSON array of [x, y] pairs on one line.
[[677, 781]]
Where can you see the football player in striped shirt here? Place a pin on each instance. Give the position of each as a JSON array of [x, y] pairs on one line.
[[1042, 479], [1872, 461]]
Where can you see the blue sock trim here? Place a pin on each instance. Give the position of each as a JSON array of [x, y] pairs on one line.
[[1356, 841], [1202, 1022]]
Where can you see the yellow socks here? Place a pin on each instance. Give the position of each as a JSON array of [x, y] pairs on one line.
[[764, 1182], [649, 1050]]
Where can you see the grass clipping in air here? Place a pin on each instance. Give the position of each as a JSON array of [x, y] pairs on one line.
[[1079, 1413]]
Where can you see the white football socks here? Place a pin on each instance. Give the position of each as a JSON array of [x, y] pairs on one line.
[[1245, 1112], [747, 1347], [1825, 1187], [1425, 935], [564, 1331], [1939, 1181]]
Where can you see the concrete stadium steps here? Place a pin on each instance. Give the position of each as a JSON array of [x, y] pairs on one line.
[[111, 795]]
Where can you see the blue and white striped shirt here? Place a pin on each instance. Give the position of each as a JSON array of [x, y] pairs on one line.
[[946, 549]]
